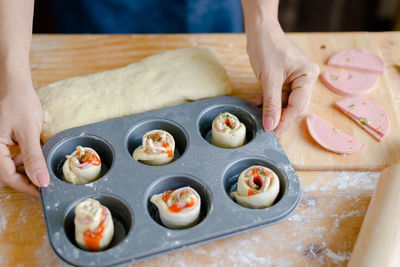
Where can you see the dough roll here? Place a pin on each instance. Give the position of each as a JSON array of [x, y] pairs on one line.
[[157, 148], [378, 243], [227, 131], [94, 226], [166, 79], [257, 187], [82, 166], [178, 208]]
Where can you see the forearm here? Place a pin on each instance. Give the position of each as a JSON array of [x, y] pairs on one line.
[[260, 14], [16, 34]]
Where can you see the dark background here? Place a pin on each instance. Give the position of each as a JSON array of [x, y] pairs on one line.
[[296, 15]]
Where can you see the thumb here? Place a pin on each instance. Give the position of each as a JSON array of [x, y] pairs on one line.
[[272, 102], [32, 156]]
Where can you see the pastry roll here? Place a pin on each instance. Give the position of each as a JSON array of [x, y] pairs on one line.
[[94, 227], [228, 131], [157, 148], [257, 187], [82, 166], [178, 208]]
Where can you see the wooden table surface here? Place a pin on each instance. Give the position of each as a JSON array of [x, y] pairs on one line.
[[321, 232]]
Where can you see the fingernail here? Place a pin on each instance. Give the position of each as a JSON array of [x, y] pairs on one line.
[[41, 177], [268, 123]]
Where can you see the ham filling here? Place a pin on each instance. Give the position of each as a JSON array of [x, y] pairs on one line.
[[258, 180], [85, 158], [158, 143], [179, 200], [225, 122]]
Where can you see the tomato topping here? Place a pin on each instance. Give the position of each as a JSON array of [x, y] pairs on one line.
[[92, 238], [177, 206], [89, 158], [157, 138], [252, 192]]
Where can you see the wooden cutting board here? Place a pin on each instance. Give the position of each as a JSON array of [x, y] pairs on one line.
[[58, 57], [304, 152]]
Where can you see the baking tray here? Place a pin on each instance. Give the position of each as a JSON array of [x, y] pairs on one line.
[[126, 185]]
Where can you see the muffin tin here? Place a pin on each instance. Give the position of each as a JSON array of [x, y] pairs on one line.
[[126, 185]]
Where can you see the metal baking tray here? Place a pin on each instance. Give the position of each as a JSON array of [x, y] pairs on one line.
[[126, 185]]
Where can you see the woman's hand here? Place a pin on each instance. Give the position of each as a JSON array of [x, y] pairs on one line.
[[20, 123], [286, 74], [20, 108]]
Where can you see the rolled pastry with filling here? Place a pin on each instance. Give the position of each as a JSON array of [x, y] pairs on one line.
[[228, 131], [257, 188], [82, 166], [94, 227], [157, 148], [178, 208]]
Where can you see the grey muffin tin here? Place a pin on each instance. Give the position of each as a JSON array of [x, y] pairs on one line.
[[126, 185]]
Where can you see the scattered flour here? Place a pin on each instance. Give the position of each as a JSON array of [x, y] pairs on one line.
[[336, 258], [3, 222]]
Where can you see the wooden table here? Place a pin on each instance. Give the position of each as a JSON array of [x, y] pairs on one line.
[[321, 232]]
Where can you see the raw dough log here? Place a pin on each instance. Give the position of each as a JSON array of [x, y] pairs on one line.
[[82, 166], [157, 148], [350, 84], [357, 59], [370, 116], [178, 208], [378, 243], [257, 187], [331, 138], [94, 227], [227, 131], [159, 81]]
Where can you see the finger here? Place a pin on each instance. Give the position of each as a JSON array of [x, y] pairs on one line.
[[34, 163], [9, 177], [7, 167], [18, 161], [258, 101], [272, 102], [285, 98], [21, 183], [297, 106], [299, 98]]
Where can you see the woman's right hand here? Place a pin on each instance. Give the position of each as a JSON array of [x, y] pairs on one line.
[[20, 124]]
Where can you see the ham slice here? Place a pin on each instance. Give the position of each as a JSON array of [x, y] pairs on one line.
[[367, 114], [357, 59], [350, 84], [331, 138]]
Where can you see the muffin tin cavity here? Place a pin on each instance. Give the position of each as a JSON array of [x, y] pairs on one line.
[[121, 214], [208, 115], [233, 171], [57, 157], [135, 135], [174, 182]]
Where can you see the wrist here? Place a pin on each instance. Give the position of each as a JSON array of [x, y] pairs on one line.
[[15, 75]]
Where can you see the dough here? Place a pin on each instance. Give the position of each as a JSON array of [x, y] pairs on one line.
[[166, 79], [357, 59], [257, 187], [378, 243], [82, 166], [370, 116], [178, 208], [331, 138], [157, 148], [94, 227], [350, 84], [227, 131]]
